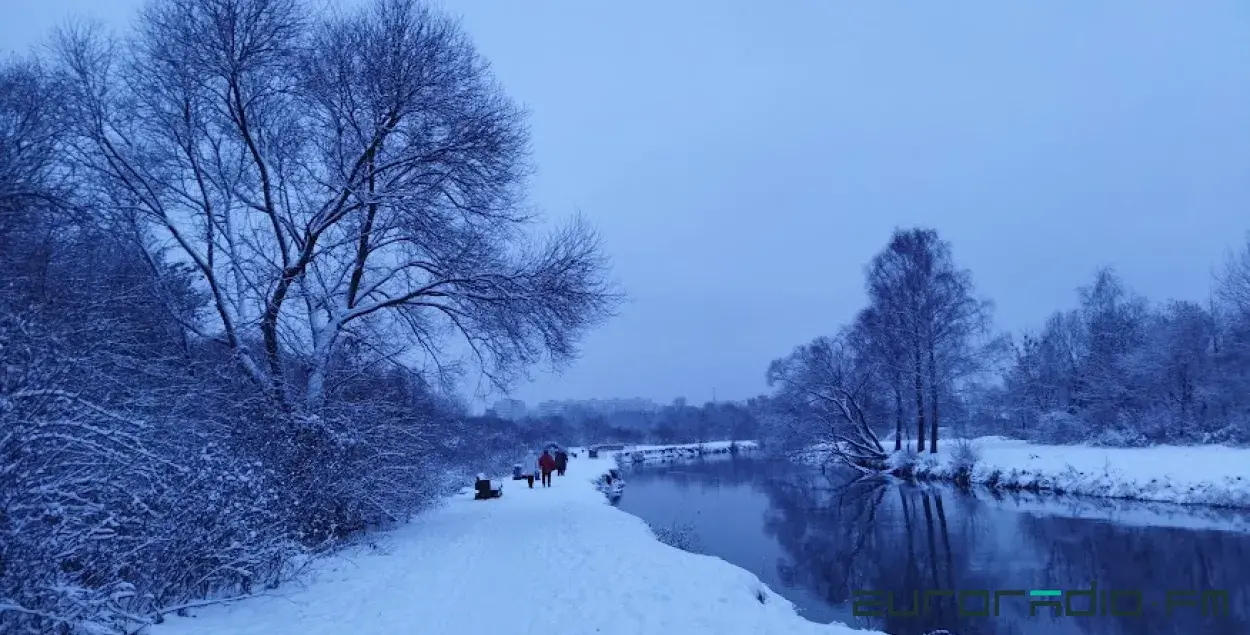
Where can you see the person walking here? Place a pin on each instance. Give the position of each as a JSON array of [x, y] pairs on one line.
[[546, 465], [562, 461], [531, 460]]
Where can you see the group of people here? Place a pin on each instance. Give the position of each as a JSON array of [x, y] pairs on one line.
[[548, 463]]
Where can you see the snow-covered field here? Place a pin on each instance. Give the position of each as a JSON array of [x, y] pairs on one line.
[[540, 561], [1189, 475]]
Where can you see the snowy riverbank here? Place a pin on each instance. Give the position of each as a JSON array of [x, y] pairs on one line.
[[647, 454], [1189, 475], [534, 561], [1120, 512]]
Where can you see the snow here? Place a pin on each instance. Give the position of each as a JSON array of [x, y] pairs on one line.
[[710, 446], [668, 453], [1189, 475], [545, 560], [1120, 512]]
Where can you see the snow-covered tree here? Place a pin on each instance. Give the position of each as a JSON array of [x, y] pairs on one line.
[[223, 243], [823, 390], [331, 178]]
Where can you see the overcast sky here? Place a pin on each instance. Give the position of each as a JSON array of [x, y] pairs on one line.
[[744, 160]]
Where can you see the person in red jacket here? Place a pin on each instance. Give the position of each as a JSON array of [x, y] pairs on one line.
[[546, 465]]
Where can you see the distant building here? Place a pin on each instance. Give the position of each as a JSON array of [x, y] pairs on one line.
[[510, 409], [550, 409], [578, 408]]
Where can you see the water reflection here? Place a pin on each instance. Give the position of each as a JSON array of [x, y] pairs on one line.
[[819, 538]]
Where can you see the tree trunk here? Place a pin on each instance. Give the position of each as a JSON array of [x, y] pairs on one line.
[[314, 397], [898, 416], [273, 353], [919, 382], [933, 402]]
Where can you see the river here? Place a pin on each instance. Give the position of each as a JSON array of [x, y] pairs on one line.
[[826, 542]]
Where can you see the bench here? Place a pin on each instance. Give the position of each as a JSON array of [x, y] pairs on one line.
[[487, 489]]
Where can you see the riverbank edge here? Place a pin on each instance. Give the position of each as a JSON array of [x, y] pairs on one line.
[[1234, 494], [1009, 483], [369, 590], [651, 454], [617, 460]]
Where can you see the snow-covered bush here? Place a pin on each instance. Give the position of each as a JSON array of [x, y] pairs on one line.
[[964, 457], [140, 471], [611, 483], [111, 511], [1120, 437], [964, 454], [1234, 433], [113, 514], [904, 462]]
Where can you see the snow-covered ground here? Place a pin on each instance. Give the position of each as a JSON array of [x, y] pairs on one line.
[[540, 561], [1189, 475], [1118, 512]]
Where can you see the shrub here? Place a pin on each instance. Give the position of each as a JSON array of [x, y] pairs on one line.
[[964, 459], [903, 462]]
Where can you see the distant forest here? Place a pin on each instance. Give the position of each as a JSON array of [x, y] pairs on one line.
[[922, 357], [1115, 369], [676, 423]]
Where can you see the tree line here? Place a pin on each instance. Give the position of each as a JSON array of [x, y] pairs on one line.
[[676, 423], [241, 247], [1116, 369]]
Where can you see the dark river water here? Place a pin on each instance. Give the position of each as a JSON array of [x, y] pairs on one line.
[[826, 543]]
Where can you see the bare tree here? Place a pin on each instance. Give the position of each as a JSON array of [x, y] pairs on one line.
[[1233, 281], [930, 330], [874, 336], [356, 177], [1113, 321], [1231, 345], [1118, 370], [960, 343], [32, 177], [824, 381], [898, 287], [220, 242]]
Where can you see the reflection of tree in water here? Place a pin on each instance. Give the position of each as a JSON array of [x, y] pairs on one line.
[[1118, 557], [889, 538], [841, 535], [873, 535]]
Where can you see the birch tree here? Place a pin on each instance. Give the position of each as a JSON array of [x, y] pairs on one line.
[[1231, 348], [875, 335], [930, 329]]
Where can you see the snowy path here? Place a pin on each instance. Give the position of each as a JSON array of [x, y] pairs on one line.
[[541, 561]]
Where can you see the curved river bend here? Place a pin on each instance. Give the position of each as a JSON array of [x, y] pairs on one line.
[[1149, 569]]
